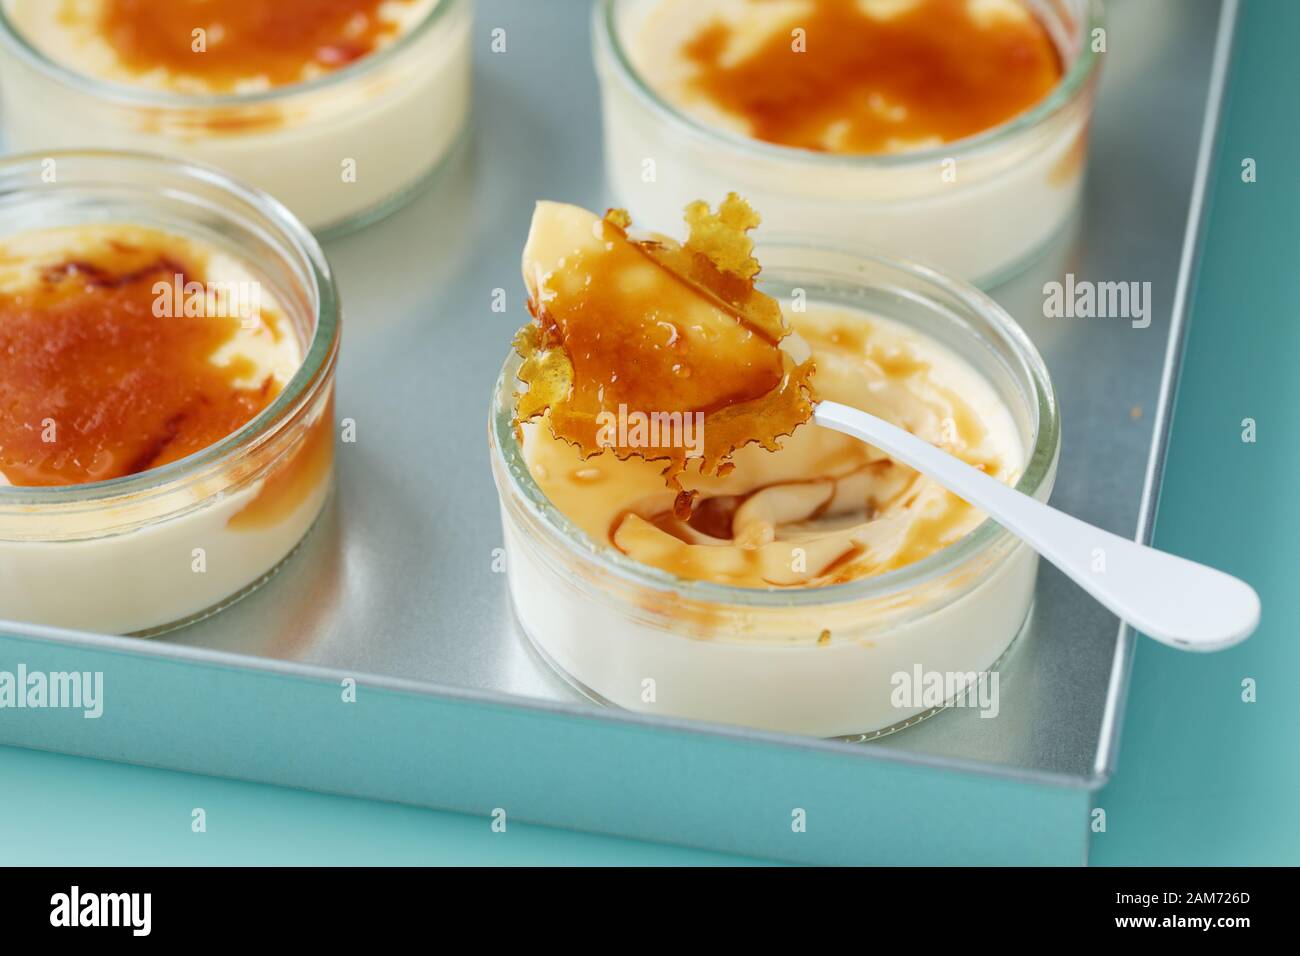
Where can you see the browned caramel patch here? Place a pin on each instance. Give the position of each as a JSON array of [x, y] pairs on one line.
[[841, 80], [227, 42], [95, 386]]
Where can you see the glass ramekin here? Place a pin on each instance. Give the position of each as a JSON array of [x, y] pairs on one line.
[[979, 208], [165, 547], [643, 639], [340, 151]]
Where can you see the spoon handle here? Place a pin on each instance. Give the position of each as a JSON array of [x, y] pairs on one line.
[[1175, 601]]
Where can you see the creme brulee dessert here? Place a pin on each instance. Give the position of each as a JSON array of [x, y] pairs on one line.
[[942, 130], [664, 411], [124, 350], [334, 106]]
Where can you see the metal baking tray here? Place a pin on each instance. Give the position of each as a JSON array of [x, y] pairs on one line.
[[396, 587]]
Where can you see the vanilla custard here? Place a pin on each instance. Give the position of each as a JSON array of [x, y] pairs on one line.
[[793, 506], [825, 508]]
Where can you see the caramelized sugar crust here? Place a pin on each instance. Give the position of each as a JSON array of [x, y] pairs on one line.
[[277, 39], [620, 329], [866, 76], [95, 386]]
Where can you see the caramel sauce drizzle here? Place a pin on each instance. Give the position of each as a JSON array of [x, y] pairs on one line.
[[891, 490]]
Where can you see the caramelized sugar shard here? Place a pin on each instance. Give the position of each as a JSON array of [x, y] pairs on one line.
[[723, 237], [546, 370], [649, 348], [718, 256], [619, 218], [761, 421]]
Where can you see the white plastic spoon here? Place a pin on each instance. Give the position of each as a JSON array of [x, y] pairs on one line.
[[1178, 602]]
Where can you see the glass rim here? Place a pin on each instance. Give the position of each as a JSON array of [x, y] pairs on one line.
[[1071, 84], [1040, 461], [144, 97], [319, 356]]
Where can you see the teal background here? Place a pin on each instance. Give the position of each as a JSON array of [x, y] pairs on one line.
[[1203, 777]]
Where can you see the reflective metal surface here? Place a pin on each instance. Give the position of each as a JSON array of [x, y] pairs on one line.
[[398, 579]]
